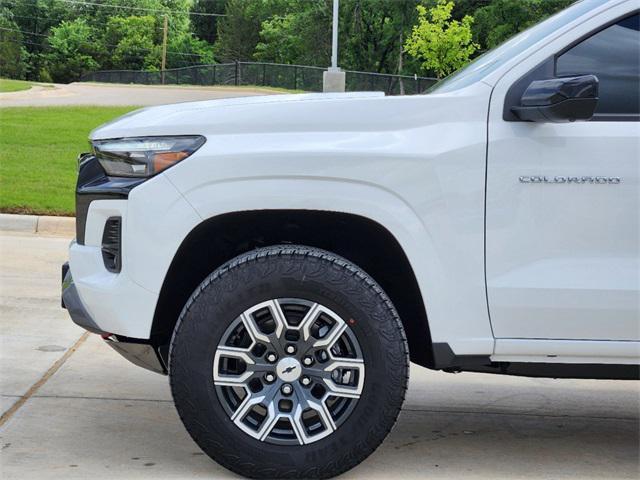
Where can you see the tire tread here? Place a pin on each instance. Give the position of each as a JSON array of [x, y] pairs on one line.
[[395, 393]]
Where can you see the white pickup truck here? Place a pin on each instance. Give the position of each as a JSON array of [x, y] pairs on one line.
[[284, 258]]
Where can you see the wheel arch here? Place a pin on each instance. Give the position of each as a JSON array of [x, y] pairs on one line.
[[359, 239]]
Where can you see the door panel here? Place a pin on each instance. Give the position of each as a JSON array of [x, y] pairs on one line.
[[562, 258]]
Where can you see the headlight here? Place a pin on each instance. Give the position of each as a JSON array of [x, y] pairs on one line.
[[144, 156]]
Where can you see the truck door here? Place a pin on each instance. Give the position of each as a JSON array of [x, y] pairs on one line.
[[563, 199]]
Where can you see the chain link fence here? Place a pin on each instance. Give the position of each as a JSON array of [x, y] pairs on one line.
[[294, 77]]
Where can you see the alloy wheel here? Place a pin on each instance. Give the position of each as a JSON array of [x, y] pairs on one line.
[[289, 371]]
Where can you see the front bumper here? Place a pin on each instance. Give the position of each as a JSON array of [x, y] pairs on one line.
[[154, 218], [138, 352], [71, 301], [120, 303]]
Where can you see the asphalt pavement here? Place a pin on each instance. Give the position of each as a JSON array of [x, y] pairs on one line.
[[119, 94], [72, 408]]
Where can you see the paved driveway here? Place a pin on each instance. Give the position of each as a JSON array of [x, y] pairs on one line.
[[112, 95], [74, 409]]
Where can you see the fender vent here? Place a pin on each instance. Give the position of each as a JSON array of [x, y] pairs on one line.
[[111, 244]]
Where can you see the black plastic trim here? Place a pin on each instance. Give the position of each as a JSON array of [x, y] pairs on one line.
[[65, 270], [138, 352], [112, 244], [445, 358], [568, 110], [71, 301], [94, 184], [546, 69], [597, 371]]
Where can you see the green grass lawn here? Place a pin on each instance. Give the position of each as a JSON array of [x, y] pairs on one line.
[[7, 85], [38, 151]]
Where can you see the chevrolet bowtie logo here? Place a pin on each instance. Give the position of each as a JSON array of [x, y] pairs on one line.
[[289, 369]]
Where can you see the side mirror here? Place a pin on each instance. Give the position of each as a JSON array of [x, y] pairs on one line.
[[559, 100]]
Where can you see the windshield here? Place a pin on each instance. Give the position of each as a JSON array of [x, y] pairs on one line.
[[493, 59]]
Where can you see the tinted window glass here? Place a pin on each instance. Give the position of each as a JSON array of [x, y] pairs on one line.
[[613, 55]]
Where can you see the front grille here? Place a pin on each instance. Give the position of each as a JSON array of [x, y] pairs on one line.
[[112, 244]]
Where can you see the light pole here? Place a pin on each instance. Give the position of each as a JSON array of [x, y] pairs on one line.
[[164, 47], [334, 36], [333, 80]]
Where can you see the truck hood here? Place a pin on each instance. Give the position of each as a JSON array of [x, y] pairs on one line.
[[242, 114], [334, 113]]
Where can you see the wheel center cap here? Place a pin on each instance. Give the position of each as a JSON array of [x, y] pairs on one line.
[[288, 369]]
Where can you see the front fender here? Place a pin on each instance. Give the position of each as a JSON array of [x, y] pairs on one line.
[[453, 308], [414, 165]]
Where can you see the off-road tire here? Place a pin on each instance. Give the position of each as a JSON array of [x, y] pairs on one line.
[[277, 272]]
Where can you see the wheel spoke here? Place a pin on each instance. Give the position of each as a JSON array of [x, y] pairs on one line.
[[337, 329], [340, 390], [269, 422], [317, 372], [252, 328], [247, 404], [279, 319], [334, 334], [260, 367], [298, 427], [266, 399], [306, 401], [275, 338], [227, 379], [321, 408], [272, 416], [308, 321]]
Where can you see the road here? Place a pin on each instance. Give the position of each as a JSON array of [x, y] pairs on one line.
[[113, 95], [78, 410]]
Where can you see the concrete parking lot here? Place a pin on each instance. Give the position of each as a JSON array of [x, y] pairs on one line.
[[72, 408]]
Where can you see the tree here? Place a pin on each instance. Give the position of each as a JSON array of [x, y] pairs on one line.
[[300, 35], [13, 55], [444, 45], [238, 32], [74, 47], [371, 36], [37, 17], [184, 50], [205, 26], [373, 33], [501, 19], [132, 43], [399, 36], [280, 40], [467, 7]]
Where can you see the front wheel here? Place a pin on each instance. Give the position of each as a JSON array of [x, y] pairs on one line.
[[288, 362]]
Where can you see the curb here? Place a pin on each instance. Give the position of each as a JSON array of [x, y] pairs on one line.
[[43, 224]]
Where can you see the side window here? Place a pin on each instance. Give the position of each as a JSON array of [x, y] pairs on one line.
[[613, 55]]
